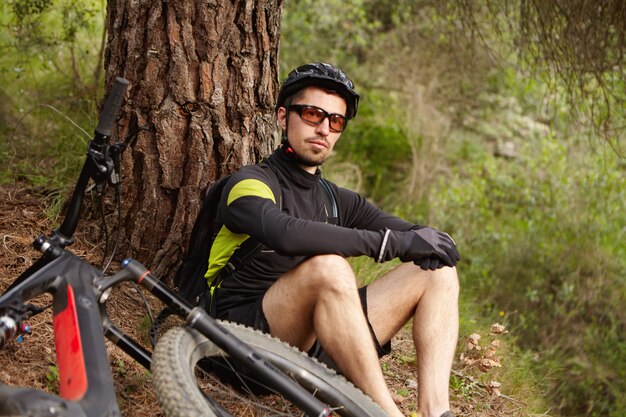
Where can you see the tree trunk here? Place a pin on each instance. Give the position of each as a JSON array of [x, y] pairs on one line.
[[203, 80]]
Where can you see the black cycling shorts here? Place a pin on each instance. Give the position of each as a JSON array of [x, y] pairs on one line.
[[251, 314]]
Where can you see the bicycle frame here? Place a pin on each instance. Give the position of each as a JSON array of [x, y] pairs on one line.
[[84, 370], [80, 320]]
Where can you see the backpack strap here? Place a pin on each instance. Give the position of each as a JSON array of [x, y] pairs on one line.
[[251, 246], [330, 197]]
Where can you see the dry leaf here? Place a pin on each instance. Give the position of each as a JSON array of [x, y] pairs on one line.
[[497, 328], [487, 364], [466, 360], [494, 388], [472, 342], [490, 352]]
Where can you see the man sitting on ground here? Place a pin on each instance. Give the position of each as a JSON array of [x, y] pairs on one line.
[[300, 287]]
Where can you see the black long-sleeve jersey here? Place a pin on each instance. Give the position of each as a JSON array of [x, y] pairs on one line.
[[249, 208]]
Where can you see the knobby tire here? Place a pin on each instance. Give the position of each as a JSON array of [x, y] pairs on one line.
[[180, 349]]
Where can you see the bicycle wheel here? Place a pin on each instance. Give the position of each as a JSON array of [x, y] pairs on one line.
[[178, 352]]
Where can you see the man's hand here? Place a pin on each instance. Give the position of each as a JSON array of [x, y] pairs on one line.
[[430, 249], [431, 263]]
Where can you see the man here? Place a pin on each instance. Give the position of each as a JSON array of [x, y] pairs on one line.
[[300, 288]]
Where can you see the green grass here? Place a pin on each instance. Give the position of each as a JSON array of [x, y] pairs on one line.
[[46, 99]]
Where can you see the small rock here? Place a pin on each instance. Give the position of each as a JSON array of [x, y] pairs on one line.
[[410, 383]]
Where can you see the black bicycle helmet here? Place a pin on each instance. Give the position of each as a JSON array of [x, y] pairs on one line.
[[322, 75]]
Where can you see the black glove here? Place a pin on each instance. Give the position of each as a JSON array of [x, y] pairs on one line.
[[432, 263], [430, 249]]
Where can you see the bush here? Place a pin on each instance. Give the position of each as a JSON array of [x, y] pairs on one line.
[[381, 152], [543, 239], [52, 68]]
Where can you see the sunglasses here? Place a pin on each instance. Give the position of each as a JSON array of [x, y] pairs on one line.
[[314, 115]]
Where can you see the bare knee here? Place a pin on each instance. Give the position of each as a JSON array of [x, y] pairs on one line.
[[445, 280], [331, 273], [416, 282]]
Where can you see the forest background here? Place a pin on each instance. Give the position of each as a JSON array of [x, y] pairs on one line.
[[465, 124]]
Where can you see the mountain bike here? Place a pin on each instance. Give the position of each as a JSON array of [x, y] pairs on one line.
[[252, 361]]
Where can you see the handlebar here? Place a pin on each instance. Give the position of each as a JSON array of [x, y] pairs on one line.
[[111, 109], [97, 164]]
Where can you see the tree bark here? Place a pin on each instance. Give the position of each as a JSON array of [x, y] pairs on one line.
[[204, 77]]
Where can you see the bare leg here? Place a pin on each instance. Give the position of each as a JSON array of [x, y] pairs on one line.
[[319, 299], [431, 299]]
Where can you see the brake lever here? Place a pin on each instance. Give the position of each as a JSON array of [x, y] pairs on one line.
[[114, 152]]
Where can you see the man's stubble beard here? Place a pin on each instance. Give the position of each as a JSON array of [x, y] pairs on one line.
[[312, 159]]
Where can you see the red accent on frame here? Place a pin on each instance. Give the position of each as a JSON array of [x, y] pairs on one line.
[[145, 274], [69, 349]]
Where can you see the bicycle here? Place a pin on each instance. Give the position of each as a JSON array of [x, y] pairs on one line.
[[80, 321]]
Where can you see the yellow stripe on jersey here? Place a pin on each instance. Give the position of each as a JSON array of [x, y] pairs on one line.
[[227, 242], [250, 187], [223, 248]]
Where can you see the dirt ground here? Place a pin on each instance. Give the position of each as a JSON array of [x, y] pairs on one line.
[[32, 362]]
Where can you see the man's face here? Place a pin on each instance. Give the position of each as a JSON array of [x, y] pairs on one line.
[[313, 143]]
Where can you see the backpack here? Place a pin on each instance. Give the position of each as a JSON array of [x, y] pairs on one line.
[[189, 278]]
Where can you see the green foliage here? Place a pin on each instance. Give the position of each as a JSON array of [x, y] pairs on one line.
[[316, 31], [144, 329], [120, 367], [543, 238], [42, 26], [52, 379], [379, 148], [51, 67]]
